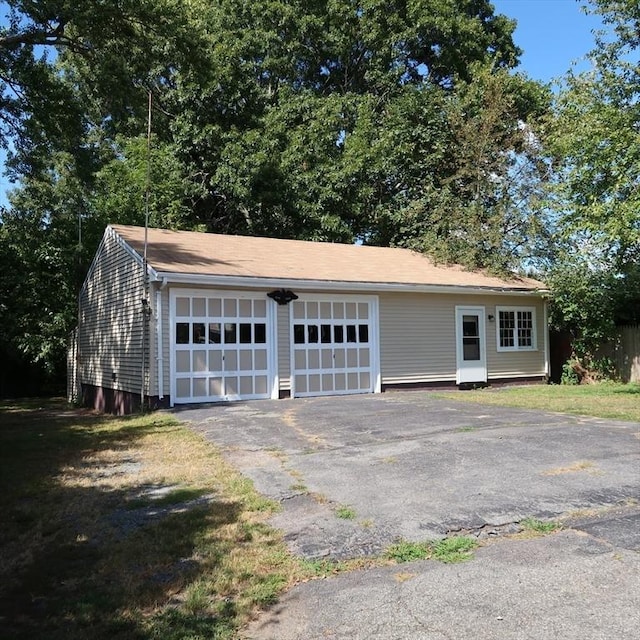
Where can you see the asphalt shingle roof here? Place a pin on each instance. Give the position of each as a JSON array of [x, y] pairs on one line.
[[188, 252]]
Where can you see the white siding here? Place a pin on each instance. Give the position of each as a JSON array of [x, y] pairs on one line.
[[111, 321]]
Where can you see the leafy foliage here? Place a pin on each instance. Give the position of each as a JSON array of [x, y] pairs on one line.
[[323, 119], [596, 142]]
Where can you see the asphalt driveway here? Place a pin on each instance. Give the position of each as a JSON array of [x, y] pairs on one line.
[[409, 465]]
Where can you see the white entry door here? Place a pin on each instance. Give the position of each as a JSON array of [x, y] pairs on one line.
[[471, 352], [222, 346], [334, 345]]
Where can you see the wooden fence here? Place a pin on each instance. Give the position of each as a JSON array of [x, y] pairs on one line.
[[625, 353]]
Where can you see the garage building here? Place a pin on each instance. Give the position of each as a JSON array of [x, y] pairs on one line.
[[190, 317]]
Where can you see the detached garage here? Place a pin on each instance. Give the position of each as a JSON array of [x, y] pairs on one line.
[[190, 317]]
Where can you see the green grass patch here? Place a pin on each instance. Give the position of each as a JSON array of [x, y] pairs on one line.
[[602, 400], [345, 512], [448, 550], [453, 550], [541, 527], [83, 556], [406, 551]]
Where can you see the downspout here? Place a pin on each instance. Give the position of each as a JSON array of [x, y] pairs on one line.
[[547, 367], [159, 345]]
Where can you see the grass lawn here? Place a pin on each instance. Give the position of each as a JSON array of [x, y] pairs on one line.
[[127, 528], [604, 400]]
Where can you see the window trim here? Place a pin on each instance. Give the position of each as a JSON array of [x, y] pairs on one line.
[[534, 329]]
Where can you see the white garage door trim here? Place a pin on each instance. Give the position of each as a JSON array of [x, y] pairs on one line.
[[341, 364], [201, 360]]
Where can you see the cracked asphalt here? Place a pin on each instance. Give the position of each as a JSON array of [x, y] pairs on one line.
[[411, 466]]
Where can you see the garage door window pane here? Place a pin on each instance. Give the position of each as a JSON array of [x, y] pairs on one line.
[[246, 361], [183, 388], [300, 359], [183, 361], [312, 332], [260, 356], [198, 333], [351, 333], [199, 307], [215, 361], [231, 386], [214, 333], [363, 333], [338, 333], [301, 384], [182, 333], [229, 333], [199, 387], [325, 333], [260, 333], [245, 333], [182, 307], [199, 361], [230, 360], [314, 359], [261, 384], [215, 386], [298, 333], [246, 385]]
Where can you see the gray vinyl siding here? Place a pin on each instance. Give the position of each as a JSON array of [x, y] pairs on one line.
[[111, 320], [284, 349], [418, 338]]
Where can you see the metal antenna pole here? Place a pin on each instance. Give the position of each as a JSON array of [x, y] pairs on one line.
[[145, 274]]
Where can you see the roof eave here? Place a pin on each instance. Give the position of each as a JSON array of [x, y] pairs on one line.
[[168, 277]]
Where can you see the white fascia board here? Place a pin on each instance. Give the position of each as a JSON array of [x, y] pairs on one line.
[[335, 285], [133, 253]]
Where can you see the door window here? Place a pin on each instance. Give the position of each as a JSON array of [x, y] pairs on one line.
[[470, 338]]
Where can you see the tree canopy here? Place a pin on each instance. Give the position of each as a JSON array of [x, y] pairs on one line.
[[396, 123]]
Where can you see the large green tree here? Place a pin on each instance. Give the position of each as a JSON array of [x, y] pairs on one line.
[[596, 140], [322, 119]]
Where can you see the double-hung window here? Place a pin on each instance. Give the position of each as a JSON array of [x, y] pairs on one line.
[[516, 328]]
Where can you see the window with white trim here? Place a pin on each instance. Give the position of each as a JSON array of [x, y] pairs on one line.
[[516, 328]]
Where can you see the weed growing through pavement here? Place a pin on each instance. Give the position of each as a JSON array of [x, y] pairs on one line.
[[540, 527], [453, 550], [449, 550], [406, 551], [345, 512]]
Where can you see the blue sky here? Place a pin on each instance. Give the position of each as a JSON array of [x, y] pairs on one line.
[[552, 33]]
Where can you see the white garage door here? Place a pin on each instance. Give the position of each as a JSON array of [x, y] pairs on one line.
[[222, 346], [334, 346]]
